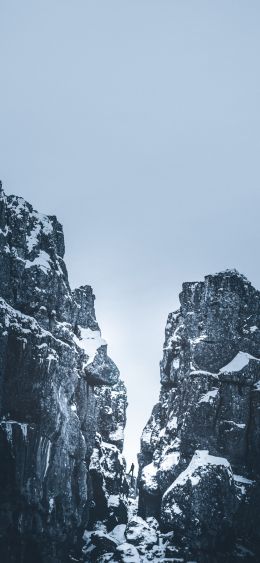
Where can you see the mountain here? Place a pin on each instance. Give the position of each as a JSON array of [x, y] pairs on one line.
[[64, 494], [200, 450], [62, 402]]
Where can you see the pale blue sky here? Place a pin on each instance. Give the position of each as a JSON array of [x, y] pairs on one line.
[[137, 123]]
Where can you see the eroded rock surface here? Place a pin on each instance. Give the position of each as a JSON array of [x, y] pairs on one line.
[[62, 402], [200, 450]]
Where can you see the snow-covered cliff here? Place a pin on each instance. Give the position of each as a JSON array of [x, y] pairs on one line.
[[200, 450], [62, 402]]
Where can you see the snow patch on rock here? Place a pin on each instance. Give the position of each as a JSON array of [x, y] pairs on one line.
[[89, 341]]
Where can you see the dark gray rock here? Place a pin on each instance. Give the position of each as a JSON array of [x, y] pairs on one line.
[[58, 388], [208, 410]]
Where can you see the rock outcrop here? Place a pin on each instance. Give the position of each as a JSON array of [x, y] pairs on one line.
[[62, 403], [200, 450]]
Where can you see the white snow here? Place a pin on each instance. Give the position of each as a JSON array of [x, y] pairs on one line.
[[239, 362], [253, 328], [52, 356], [117, 434], [94, 460], [45, 222], [242, 479], [43, 261], [118, 533], [241, 482], [109, 446], [24, 428], [209, 396], [257, 386], [146, 435], [238, 424], [129, 553], [170, 461], [90, 341], [32, 238], [140, 532], [174, 338], [47, 458], [175, 508], [199, 339], [45, 452], [5, 232], [172, 424], [194, 371], [13, 317], [149, 477], [113, 501], [200, 459], [21, 205]]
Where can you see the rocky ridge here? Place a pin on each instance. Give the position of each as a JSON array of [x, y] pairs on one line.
[[63, 413], [62, 402], [200, 450]]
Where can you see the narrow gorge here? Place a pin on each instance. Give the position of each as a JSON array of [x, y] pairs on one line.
[[64, 493]]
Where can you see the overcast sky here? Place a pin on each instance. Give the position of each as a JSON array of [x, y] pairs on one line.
[[137, 123]]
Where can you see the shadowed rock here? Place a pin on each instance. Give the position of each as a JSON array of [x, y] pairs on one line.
[[55, 380], [200, 459]]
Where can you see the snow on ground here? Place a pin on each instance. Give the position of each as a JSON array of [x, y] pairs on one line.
[[113, 501], [118, 533], [129, 553], [141, 534]]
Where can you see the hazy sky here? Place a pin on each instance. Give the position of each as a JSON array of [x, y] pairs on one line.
[[137, 123]]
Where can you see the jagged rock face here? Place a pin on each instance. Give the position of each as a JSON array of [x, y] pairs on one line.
[[58, 387], [200, 450]]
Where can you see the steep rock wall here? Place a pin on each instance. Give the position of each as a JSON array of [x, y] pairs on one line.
[[62, 402], [200, 450]]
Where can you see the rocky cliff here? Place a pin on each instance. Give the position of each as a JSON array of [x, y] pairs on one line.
[[200, 450], [63, 413], [62, 403]]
